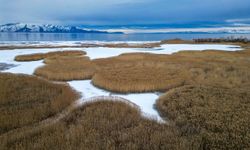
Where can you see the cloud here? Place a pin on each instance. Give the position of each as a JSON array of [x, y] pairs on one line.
[[121, 11], [239, 20]]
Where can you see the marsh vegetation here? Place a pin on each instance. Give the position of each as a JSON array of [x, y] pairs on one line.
[[40, 56], [219, 117], [206, 102], [152, 72], [102, 125], [145, 72], [25, 100], [66, 68]]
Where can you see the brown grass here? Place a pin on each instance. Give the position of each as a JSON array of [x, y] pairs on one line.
[[220, 68], [212, 113], [139, 78], [66, 68], [223, 40], [219, 117], [177, 41], [217, 55], [141, 72], [26, 100], [103, 125], [40, 56], [62, 65]]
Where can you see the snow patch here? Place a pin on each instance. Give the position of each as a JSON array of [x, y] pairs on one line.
[[145, 101], [8, 56], [103, 52]]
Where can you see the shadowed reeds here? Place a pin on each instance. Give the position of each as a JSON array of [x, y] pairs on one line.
[[103, 125], [26, 100]]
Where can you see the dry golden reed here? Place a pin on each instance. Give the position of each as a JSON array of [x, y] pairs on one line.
[[40, 56], [25, 100], [62, 65], [66, 68], [103, 125], [219, 117], [209, 111], [139, 78], [141, 72]]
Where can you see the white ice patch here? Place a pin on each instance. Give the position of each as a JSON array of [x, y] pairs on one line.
[[145, 101], [8, 56], [103, 52]]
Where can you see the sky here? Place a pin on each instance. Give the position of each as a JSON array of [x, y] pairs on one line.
[[124, 12]]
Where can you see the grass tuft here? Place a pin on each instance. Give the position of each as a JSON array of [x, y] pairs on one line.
[[66, 68], [40, 56], [103, 125], [142, 72], [25, 100], [219, 117]]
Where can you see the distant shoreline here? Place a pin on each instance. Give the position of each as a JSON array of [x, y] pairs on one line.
[[244, 42]]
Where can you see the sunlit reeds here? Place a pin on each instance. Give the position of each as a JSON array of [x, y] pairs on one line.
[[219, 117], [66, 68], [40, 56], [141, 72]]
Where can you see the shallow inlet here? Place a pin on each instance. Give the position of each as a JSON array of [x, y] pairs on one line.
[[4, 66], [145, 101]]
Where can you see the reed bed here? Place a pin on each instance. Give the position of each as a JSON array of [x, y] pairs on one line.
[[213, 55], [25, 100], [40, 56], [66, 68], [139, 78], [221, 68], [206, 106], [103, 125], [218, 117], [142, 72], [62, 65], [223, 40], [177, 41]]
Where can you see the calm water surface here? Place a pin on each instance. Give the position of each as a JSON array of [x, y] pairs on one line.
[[106, 37]]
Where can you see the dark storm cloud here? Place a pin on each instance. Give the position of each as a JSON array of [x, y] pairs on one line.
[[122, 11]]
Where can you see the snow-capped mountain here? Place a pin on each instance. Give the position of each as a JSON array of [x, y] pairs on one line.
[[48, 28]]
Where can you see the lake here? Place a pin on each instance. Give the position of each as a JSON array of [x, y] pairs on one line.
[[108, 37]]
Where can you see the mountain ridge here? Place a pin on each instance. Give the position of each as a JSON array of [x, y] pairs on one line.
[[44, 28]]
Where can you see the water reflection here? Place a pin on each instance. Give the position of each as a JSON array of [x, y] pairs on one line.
[[106, 37]]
